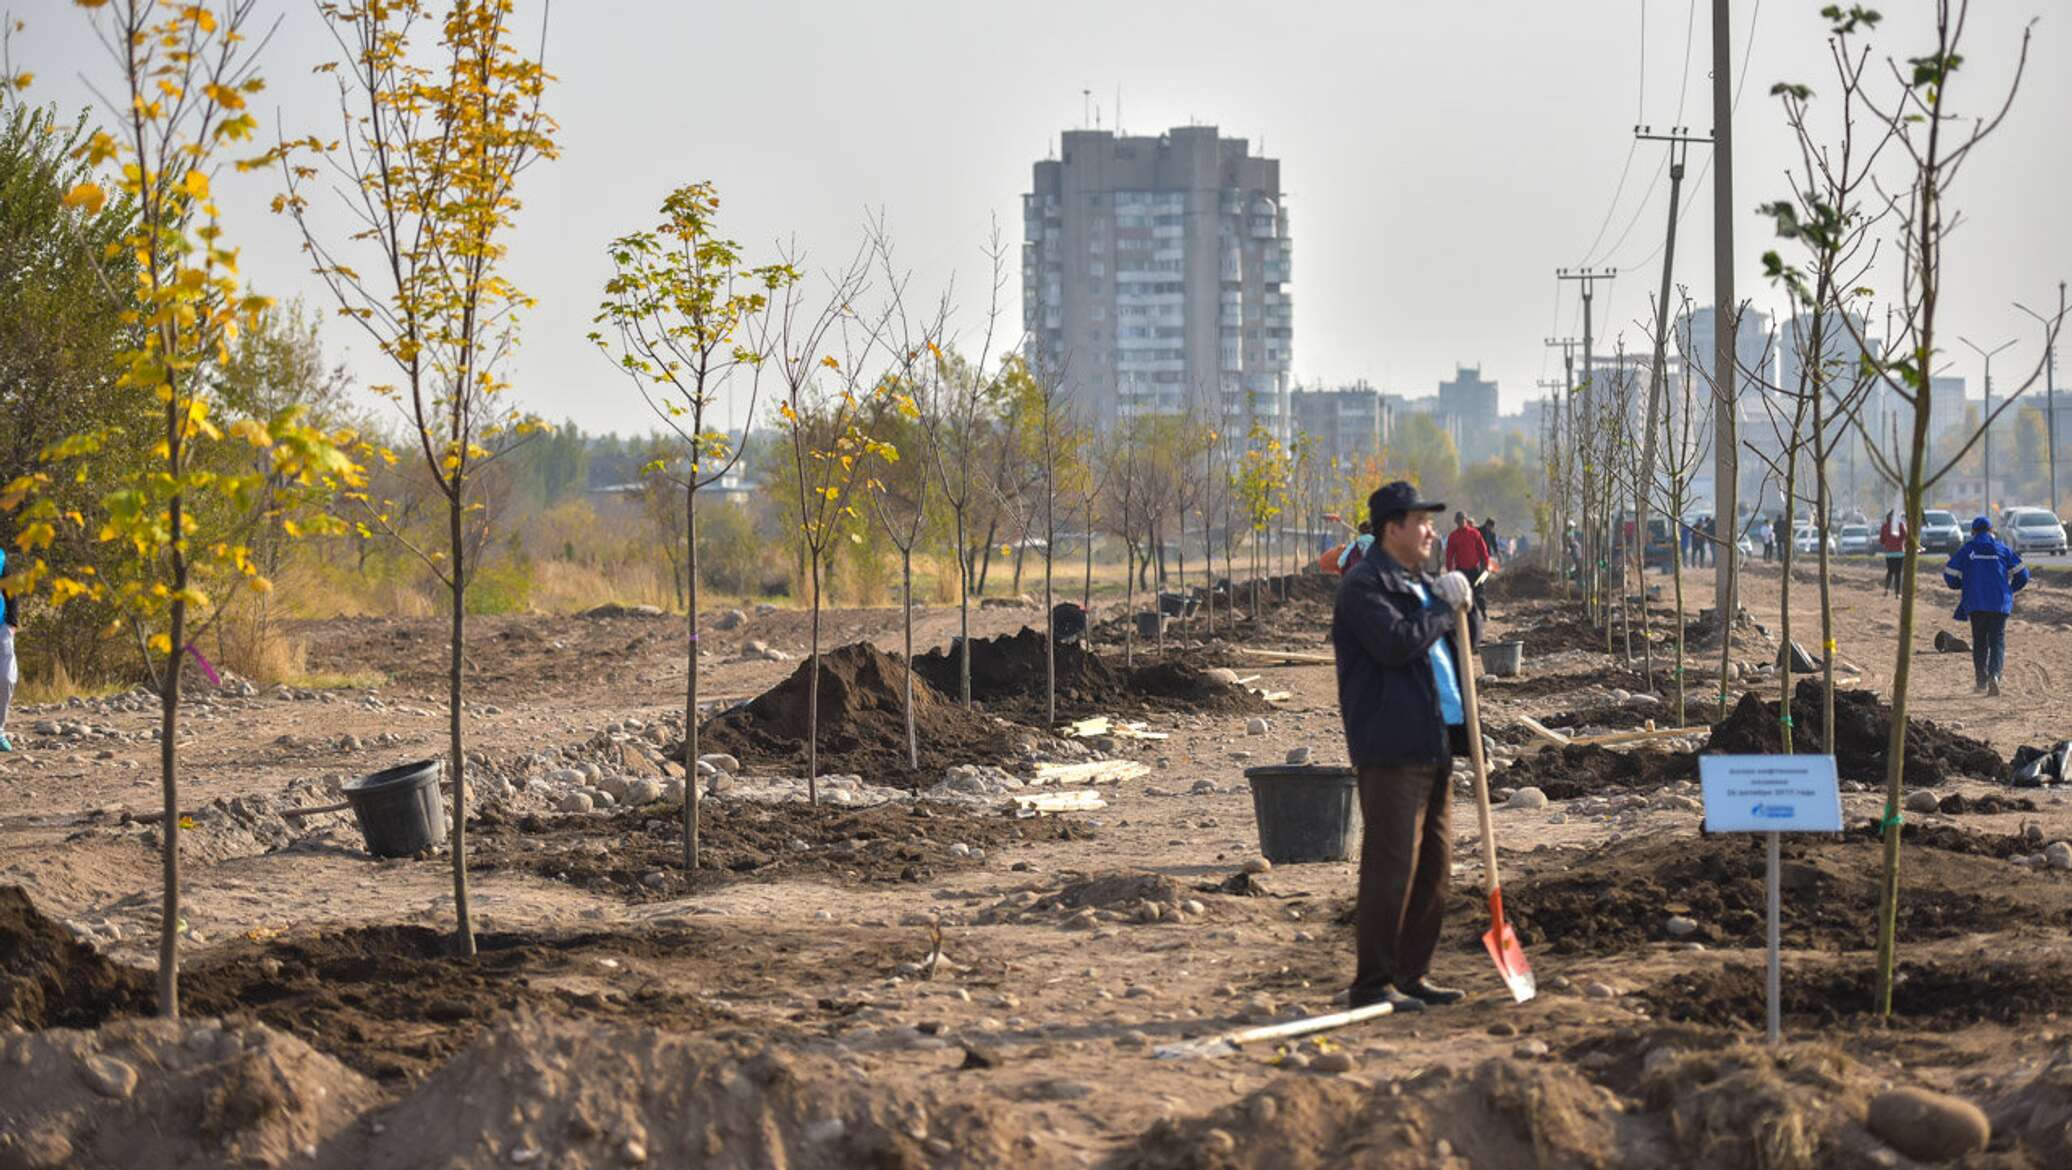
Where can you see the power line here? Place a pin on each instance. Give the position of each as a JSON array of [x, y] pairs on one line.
[[1704, 168], [1625, 168], [1655, 183]]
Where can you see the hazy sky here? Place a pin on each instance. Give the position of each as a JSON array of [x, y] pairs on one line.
[[1441, 158]]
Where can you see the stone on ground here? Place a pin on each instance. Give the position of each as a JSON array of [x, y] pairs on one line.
[[1927, 1126]]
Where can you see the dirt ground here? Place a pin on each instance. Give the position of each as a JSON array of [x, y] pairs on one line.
[[940, 984]]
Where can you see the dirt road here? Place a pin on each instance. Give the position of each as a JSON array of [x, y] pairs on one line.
[[1028, 1040]]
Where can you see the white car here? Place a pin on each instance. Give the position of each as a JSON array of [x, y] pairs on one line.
[[1857, 539], [2028, 530], [1807, 539]]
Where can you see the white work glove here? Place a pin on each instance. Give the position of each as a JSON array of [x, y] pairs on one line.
[[1454, 590]]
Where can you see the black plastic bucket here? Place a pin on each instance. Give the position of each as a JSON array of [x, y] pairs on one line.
[[1150, 624], [1305, 812], [399, 809], [1173, 604]]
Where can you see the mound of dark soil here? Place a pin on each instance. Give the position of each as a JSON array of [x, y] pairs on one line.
[[1007, 672], [862, 722], [638, 854], [1863, 730], [1588, 770], [1948, 838], [394, 1002], [1957, 804], [1620, 899], [1562, 631], [1944, 994], [1528, 583], [1614, 716], [49, 979]]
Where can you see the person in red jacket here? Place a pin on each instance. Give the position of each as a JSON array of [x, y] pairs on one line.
[[1468, 554], [1892, 540]]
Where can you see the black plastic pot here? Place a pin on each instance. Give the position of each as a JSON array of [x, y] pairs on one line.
[[399, 809]]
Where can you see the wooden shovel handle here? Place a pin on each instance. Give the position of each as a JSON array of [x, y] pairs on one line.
[[1471, 710]]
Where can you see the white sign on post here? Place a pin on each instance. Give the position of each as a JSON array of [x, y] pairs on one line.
[[1771, 795]]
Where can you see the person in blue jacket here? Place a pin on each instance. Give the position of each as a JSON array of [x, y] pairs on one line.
[[1987, 575], [1399, 695]]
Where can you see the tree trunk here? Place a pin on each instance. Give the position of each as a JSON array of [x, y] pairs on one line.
[[813, 694], [1791, 475], [985, 564], [1086, 589], [1676, 569], [1129, 604], [1902, 669], [906, 573], [169, 777], [464, 930], [964, 616], [692, 809], [1021, 551]]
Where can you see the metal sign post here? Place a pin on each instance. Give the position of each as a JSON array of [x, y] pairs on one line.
[[1771, 795]]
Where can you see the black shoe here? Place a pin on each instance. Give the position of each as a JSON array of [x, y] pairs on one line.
[[1436, 995], [1993, 689], [1389, 995]]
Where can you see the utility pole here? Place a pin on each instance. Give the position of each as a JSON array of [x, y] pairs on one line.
[[1588, 278], [2050, 385], [1726, 321], [1565, 453], [1679, 140], [1987, 419]]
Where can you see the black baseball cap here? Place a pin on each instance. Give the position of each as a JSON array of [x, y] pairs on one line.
[[1400, 496]]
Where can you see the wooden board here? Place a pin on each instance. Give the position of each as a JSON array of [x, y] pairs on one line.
[[1288, 656], [1077, 800], [1544, 732], [1619, 737], [1090, 772]]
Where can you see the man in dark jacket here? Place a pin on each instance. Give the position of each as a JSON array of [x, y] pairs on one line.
[[1399, 694], [1989, 574]]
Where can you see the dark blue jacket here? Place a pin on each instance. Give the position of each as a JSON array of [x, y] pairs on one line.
[[1382, 634], [1988, 572]]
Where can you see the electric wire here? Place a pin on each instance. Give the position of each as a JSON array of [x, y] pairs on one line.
[[1662, 165], [1705, 167], [1626, 168]]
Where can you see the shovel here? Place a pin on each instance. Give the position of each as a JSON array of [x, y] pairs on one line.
[[1500, 940]]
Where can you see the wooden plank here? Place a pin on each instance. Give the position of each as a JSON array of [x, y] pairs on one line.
[[1288, 655], [1077, 800], [1544, 732], [1090, 772], [1619, 737], [1229, 1042]]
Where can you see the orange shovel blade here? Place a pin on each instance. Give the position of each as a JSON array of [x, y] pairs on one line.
[[1504, 950]]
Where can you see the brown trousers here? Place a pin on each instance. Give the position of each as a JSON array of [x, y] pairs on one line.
[[1406, 862]]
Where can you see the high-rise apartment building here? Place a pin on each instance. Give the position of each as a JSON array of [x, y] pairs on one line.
[[1349, 423], [1155, 276]]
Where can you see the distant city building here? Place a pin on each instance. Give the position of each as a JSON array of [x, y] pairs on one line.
[[1349, 423], [1471, 401], [1695, 339], [1155, 276]]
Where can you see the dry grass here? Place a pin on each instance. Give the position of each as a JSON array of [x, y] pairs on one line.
[[571, 587], [55, 684]]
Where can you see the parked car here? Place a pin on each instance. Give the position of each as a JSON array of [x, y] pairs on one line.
[[2028, 530], [1940, 531], [1857, 540], [1807, 539]]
